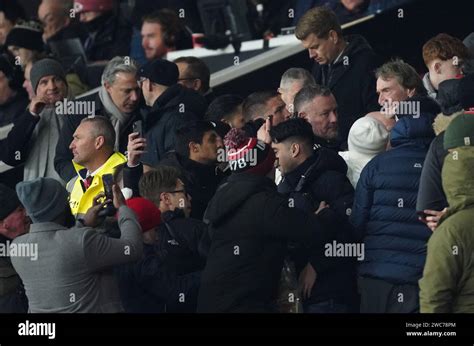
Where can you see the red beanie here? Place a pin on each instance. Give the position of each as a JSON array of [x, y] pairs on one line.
[[148, 215], [248, 154], [93, 5]]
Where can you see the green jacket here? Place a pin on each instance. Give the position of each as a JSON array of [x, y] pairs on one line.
[[447, 284]]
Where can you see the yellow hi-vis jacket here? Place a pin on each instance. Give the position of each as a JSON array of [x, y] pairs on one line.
[[79, 200]]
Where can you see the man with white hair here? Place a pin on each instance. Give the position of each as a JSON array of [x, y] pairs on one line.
[[118, 99], [293, 80]]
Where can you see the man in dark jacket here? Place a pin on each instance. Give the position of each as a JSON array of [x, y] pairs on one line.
[[318, 107], [309, 179], [385, 219], [454, 95], [340, 63], [13, 222], [249, 225], [13, 102], [109, 34], [197, 152], [149, 285], [172, 105], [118, 99]]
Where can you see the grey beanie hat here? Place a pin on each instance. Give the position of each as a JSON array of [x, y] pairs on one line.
[[45, 67], [43, 198]]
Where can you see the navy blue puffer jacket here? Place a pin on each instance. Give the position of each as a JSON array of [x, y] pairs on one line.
[[384, 212]]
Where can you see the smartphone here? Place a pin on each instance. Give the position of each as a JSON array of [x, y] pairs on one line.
[[108, 182], [138, 127]]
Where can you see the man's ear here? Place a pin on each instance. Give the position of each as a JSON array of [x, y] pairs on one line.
[[99, 142], [165, 198], [295, 149], [107, 87], [333, 36], [197, 84], [437, 67], [193, 147]]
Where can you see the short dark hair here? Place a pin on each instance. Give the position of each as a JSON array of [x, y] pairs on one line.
[[319, 21], [297, 129], [160, 179], [197, 69], [223, 107], [308, 93], [254, 104], [101, 126], [191, 132], [171, 25]]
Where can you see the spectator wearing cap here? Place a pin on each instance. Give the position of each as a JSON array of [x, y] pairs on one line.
[[251, 224], [368, 137], [55, 15], [35, 133], [13, 223], [108, 33], [455, 96], [72, 271], [385, 220], [25, 42], [10, 13], [155, 284], [172, 105], [444, 56], [448, 277], [118, 99]]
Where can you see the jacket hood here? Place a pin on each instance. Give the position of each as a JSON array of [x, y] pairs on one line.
[[177, 95], [414, 131], [429, 86], [442, 121], [448, 96], [457, 179], [233, 193]]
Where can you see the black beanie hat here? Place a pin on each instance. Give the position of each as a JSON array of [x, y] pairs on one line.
[[28, 35], [161, 72]]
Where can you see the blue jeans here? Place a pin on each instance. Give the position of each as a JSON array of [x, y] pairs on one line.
[[327, 307]]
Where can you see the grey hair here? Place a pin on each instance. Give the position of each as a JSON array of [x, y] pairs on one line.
[[102, 126], [118, 64], [297, 74], [307, 94], [404, 73]]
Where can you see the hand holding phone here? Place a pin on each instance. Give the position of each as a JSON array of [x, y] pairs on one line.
[[108, 182], [138, 127]]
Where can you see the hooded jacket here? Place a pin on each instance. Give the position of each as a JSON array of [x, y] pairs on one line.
[[322, 177], [430, 194], [447, 285], [384, 214], [249, 225], [352, 81], [176, 106]]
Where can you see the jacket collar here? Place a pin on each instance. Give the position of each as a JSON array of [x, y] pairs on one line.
[[114, 160], [46, 227]]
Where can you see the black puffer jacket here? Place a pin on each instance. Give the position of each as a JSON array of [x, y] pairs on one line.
[[249, 225], [322, 177], [174, 108]]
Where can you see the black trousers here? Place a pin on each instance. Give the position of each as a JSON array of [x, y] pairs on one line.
[[379, 296]]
